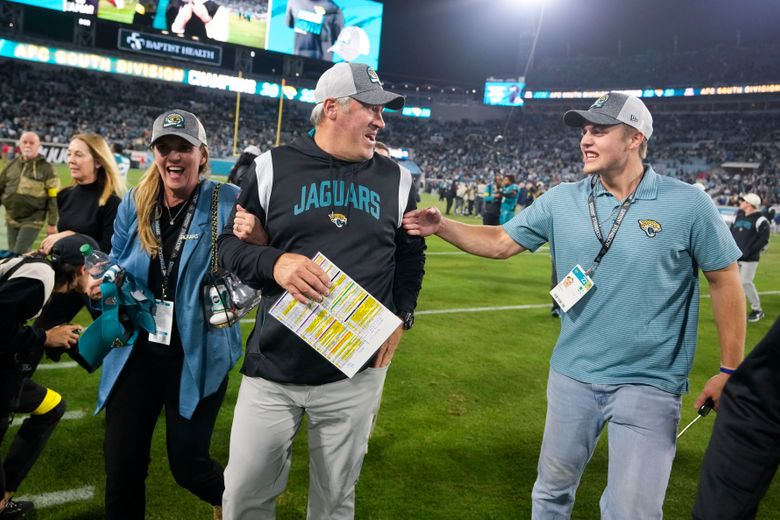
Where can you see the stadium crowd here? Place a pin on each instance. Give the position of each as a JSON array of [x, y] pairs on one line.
[[533, 146]]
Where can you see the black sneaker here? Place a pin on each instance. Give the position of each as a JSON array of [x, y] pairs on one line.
[[555, 312], [755, 316], [14, 509]]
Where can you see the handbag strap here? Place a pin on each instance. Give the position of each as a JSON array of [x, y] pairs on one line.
[[214, 210]]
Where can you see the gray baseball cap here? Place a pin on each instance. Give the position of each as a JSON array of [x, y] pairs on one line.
[[613, 108], [180, 123], [357, 81]]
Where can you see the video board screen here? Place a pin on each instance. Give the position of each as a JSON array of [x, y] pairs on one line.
[[329, 30], [86, 7], [241, 22], [504, 93]]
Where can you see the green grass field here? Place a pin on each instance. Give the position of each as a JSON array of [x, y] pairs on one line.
[[249, 33], [109, 11], [462, 415]]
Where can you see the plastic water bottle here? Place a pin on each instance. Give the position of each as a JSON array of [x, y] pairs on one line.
[[96, 262]]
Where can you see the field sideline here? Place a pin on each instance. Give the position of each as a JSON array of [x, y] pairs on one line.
[[462, 414]]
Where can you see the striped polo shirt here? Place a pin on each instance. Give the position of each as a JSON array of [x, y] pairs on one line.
[[638, 324]]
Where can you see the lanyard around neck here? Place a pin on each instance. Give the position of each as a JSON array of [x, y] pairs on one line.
[[166, 271], [594, 219]]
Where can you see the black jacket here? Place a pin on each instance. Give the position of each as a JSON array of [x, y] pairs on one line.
[[310, 201], [751, 233], [22, 295]]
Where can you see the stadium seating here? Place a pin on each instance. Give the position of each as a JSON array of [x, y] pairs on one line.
[[535, 145]]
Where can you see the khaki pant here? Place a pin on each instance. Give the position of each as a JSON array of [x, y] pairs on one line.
[[266, 419], [21, 239], [747, 272]]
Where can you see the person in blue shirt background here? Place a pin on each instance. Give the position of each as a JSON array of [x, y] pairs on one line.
[[509, 192]]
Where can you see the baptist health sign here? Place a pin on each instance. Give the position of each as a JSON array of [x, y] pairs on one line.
[[176, 48]]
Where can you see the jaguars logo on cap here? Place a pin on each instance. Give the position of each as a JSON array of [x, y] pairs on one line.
[[599, 102], [372, 75], [650, 227], [339, 219], [173, 120]]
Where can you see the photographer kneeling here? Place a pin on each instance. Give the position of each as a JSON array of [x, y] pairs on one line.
[[26, 284]]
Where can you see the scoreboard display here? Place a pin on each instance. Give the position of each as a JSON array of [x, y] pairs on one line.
[[504, 93], [328, 30]]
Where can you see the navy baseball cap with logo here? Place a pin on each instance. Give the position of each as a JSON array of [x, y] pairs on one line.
[[180, 123], [611, 109], [358, 81]]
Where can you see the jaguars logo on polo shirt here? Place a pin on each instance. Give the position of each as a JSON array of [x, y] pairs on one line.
[[650, 227]]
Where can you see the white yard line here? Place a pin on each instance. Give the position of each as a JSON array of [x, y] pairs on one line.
[[441, 253], [57, 498], [485, 309], [55, 365], [67, 416], [510, 307]]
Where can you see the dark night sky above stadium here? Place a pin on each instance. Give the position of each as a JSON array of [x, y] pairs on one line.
[[465, 41]]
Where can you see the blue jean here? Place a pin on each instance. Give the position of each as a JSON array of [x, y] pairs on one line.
[[642, 428]]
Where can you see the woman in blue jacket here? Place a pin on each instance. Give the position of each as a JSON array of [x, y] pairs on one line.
[[163, 237]]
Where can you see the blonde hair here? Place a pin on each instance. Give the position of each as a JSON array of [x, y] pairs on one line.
[[146, 195], [107, 170], [629, 131]]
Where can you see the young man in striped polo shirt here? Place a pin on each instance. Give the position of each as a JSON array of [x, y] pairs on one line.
[[628, 244]]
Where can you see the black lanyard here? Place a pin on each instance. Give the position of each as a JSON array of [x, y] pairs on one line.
[[594, 219], [166, 272]]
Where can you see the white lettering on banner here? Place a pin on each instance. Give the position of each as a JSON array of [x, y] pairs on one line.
[[76, 7], [55, 155], [32, 52], [221, 81], [198, 53], [82, 60], [270, 90], [754, 89], [162, 46], [147, 70]]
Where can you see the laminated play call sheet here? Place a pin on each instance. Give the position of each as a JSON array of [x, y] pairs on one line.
[[346, 327]]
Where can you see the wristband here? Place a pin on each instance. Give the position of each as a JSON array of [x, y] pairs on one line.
[[728, 371]]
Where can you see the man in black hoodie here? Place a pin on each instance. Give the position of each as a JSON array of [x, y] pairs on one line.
[[751, 233], [327, 192]]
